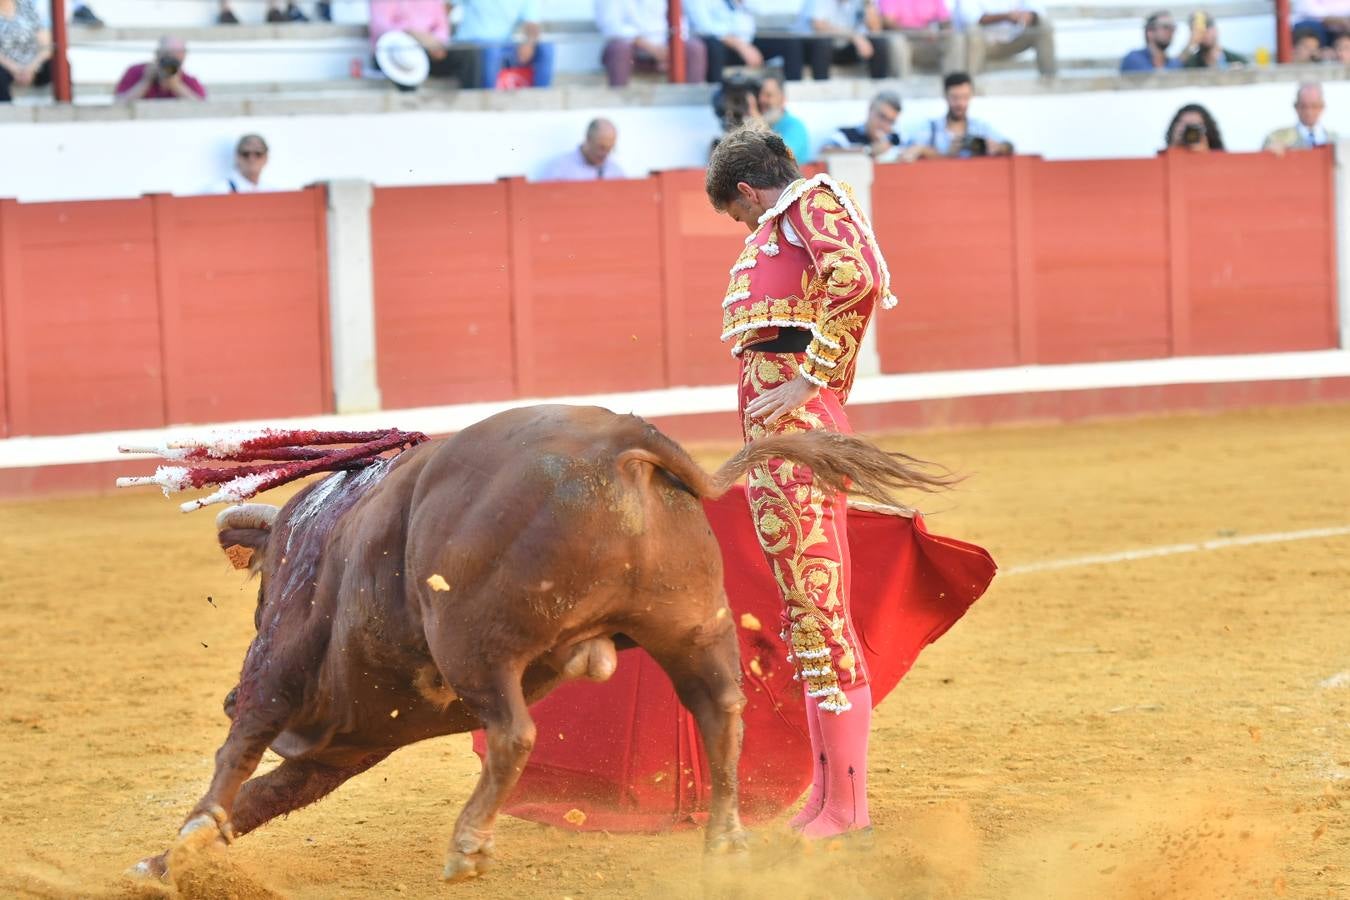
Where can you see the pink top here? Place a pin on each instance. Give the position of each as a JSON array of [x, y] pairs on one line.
[[409, 15], [914, 14]]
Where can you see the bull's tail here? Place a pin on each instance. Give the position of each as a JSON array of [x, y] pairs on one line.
[[838, 463]]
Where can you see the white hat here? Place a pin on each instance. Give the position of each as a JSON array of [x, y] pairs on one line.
[[402, 59]]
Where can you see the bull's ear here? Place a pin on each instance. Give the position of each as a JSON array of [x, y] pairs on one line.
[[243, 531]]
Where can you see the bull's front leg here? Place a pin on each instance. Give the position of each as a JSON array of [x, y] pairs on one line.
[[500, 705]]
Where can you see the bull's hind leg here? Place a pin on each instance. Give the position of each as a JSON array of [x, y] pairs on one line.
[[500, 706], [293, 784], [704, 667]]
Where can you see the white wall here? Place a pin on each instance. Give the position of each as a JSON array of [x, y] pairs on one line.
[[87, 160]]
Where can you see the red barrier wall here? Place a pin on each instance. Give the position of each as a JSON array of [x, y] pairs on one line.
[[125, 314], [140, 313], [1001, 262]]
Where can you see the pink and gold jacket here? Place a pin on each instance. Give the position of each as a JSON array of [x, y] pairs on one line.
[[827, 281]]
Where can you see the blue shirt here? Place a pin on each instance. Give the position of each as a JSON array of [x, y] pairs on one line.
[[494, 20], [846, 15], [793, 132], [1142, 61], [934, 133]]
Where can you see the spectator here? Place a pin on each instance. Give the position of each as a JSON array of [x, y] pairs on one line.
[[291, 13], [957, 134], [1193, 128], [1204, 50], [636, 33], [250, 157], [1159, 29], [593, 160], [163, 79], [773, 109], [1325, 18], [489, 25], [1340, 50], [84, 15], [428, 23], [1001, 29], [276, 12], [852, 27], [727, 29], [25, 47], [878, 135], [926, 26], [1307, 46], [1309, 132]]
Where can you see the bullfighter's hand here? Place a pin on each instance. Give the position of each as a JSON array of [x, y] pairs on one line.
[[773, 404]]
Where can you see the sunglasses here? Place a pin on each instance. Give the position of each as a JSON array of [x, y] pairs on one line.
[[249, 154]]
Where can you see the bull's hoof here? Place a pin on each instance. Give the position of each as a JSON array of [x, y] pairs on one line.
[[463, 866], [152, 867], [732, 843], [206, 828]]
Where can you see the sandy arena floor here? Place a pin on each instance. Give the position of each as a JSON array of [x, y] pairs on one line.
[[1167, 727]]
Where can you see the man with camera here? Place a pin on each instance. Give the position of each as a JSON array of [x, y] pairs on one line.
[[878, 137], [161, 79], [957, 134], [1204, 51]]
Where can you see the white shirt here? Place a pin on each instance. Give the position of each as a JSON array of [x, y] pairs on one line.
[[968, 13], [1315, 136], [235, 183], [630, 19]]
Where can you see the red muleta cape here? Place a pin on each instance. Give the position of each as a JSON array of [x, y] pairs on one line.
[[628, 755]]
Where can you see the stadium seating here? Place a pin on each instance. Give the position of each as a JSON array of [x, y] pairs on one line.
[[305, 59]]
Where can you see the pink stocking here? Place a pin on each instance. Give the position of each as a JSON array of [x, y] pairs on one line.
[[816, 801], [844, 737]]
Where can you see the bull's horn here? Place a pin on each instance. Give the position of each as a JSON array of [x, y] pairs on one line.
[[247, 515]]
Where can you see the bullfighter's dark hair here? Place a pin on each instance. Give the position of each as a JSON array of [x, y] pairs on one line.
[[753, 155]]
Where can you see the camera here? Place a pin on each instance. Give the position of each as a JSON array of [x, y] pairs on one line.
[[1192, 134], [735, 101], [168, 65], [974, 146]]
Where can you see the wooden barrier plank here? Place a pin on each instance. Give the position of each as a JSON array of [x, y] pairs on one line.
[[82, 324], [521, 268], [946, 228], [594, 251], [1178, 252], [1261, 267], [1098, 239], [318, 196], [442, 294], [8, 288], [700, 247], [241, 296]]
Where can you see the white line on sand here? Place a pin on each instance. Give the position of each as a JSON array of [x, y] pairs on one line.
[[1099, 559]]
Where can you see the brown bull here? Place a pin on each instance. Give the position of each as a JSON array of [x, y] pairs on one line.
[[449, 588]]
